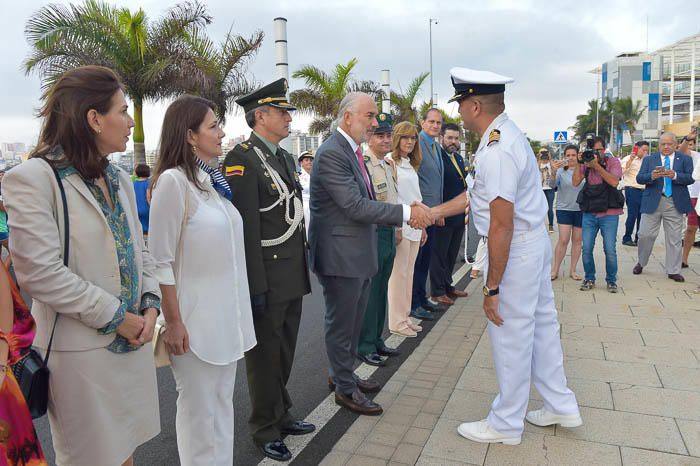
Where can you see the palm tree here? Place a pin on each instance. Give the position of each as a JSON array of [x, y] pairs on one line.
[[324, 92], [153, 58], [403, 102], [586, 123], [225, 67], [627, 114]]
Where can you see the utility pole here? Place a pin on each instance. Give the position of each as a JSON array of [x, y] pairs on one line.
[[430, 39]]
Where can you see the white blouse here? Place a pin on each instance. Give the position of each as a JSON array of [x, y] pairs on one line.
[[409, 191], [196, 240]]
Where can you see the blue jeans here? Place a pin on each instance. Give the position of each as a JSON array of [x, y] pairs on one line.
[[608, 229], [633, 197]]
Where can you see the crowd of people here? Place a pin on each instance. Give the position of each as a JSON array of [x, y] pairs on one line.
[[216, 262]]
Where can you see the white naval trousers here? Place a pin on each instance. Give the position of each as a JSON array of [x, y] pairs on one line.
[[527, 346], [204, 419]]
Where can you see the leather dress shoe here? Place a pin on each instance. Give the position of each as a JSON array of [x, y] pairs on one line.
[[298, 427], [629, 243], [368, 385], [357, 402], [444, 299], [637, 269], [431, 307], [373, 359], [386, 351], [420, 313], [684, 265], [676, 277], [276, 450], [454, 294]]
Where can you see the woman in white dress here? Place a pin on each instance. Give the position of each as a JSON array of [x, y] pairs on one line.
[[196, 238], [406, 154]]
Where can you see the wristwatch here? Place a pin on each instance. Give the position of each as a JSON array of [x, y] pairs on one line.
[[490, 292]]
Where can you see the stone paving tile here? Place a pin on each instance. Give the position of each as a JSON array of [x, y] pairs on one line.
[[688, 325], [679, 404], [671, 340], [627, 429], [637, 457], [538, 449], [417, 436], [680, 378], [426, 460], [361, 460], [446, 444], [646, 323], [681, 357], [407, 453], [582, 349], [335, 458], [601, 334], [613, 371], [690, 430]]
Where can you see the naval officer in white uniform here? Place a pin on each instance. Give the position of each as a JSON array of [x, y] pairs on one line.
[[509, 209]]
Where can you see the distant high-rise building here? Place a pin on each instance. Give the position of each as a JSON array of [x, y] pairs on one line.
[[298, 142], [151, 158]]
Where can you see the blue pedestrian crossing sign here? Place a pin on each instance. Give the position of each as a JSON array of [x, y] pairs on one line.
[[560, 137]]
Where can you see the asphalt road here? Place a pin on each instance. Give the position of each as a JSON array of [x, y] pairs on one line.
[[307, 387]]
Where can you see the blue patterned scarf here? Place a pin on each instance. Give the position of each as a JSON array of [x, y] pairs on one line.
[[217, 179]]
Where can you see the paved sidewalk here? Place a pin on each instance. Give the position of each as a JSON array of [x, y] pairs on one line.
[[633, 360]]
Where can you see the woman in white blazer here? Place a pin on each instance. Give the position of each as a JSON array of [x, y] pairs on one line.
[[103, 399], [196, 237]]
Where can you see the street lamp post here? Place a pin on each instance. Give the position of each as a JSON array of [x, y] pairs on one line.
[[430, 36]]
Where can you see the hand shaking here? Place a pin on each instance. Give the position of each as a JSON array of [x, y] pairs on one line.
[[421, 216]]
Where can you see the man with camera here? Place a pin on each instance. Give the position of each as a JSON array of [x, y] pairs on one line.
[[601, 204], [666, 175]]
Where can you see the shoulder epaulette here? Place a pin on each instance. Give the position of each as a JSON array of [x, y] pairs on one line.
[[494, 136]]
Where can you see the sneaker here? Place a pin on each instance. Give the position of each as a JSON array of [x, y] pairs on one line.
[[612, 287], [551, 229], [482, 432], [544, 418], [587, 285]]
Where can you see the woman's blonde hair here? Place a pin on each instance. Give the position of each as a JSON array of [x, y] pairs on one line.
[[406, 128]]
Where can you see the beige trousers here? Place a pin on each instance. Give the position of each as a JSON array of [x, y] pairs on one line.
[[401, 284]]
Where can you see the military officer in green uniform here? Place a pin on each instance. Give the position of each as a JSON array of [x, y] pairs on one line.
[[266, 192], [371, 348]]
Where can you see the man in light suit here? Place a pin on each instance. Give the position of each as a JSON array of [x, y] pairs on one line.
[[343, 242], [666, 175], [431, 179]]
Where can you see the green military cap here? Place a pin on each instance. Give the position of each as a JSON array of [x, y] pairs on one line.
[[386, 124], [274, 95]]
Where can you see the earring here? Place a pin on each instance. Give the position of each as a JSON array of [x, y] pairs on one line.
[[194, 149], [98, 131]]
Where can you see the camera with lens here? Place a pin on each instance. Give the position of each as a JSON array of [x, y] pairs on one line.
[[588, 154]]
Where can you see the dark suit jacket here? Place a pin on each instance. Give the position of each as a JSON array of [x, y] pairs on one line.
[[683, 166], [278, 271], [430, 172], [342, 232], [453, 184]]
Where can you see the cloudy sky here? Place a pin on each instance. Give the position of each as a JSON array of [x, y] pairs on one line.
[[547, 46]]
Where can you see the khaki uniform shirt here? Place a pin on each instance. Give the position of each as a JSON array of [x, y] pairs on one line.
[[383, 179]]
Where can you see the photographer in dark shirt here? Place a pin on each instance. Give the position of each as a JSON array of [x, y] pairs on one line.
[[601, 204]]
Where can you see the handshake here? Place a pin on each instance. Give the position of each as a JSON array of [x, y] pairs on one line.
[[423, 216]]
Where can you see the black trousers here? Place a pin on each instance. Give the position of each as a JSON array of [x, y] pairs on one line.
[[268, 366], [444, 256]]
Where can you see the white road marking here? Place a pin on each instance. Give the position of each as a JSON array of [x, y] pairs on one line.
[[325, 411]]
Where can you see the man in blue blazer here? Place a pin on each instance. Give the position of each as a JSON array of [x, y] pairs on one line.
[[666, 175]]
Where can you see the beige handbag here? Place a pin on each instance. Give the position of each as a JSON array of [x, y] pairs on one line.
[[160, 353]]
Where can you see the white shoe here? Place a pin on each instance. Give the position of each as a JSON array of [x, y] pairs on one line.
[[482, 432], [543, 418]]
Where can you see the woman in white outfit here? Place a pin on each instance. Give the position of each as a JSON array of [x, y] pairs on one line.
[[196, 238], [406, 154], [306, 162]]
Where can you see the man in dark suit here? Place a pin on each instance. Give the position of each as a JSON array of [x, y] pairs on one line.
[[343, 242], [430, 177], [666, 175], [267, 194], [448, 237]]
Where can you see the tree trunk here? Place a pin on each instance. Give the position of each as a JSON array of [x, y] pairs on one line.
[[139, 146]]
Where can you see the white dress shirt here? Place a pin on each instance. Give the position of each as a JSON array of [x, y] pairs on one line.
[[354, 146], [205, 260], [694, 188], [408, 188]]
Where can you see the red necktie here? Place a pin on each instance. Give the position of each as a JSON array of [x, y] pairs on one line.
[[361, 161]]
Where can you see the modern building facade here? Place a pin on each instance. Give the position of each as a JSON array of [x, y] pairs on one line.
[[664, 81]]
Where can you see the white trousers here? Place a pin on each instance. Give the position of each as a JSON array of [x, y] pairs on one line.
[[527, 346], [482, 255], [204, 419], [401, 285]]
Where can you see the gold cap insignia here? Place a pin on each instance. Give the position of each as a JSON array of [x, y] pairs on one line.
[[382, 117]]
